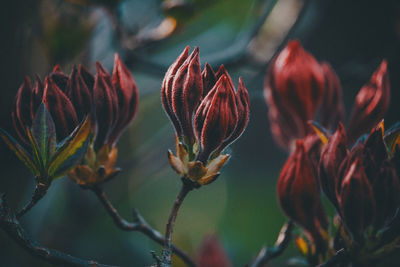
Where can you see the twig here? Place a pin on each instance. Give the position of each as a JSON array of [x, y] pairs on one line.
[[339, 259], [14, 230], [38, 194], [139, 225], [268, 253], [187, 186]]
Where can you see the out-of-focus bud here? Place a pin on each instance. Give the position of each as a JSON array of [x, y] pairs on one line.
[[79, 89], [387, 194], [212, 254], [332, 156], [332, 109], [127, 95], [294, 89], [21, 113], [216, 118], [106, 105], [299, 195], [371, 104], [356, 200], [115, 104], [61, 109]]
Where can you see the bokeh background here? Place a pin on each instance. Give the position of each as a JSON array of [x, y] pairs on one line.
[[241, 207]]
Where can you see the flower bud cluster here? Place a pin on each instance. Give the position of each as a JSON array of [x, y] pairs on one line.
[[207, 114]]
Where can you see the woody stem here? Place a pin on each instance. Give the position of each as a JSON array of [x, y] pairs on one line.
[[167, 251], [38, 194]]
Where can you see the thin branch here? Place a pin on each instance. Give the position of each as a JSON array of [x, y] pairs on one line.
[[268, 253], [139, 224], [38, 194], [167, 251], [340, 259], [12, 227]]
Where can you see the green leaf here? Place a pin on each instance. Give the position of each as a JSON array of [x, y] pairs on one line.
[[44, 132], [19, 151], [37, 158], [71, 151], [392, 137]]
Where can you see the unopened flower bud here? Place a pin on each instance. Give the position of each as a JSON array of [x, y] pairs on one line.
[[294, 89], [332, 109], [356, 200], [371, 104], [299, 194], [212, 254], [216, 118], [332, 156]]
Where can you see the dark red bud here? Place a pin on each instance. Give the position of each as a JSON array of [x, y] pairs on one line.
[[356, 200], [299, 193], [376, 145], [59, 78], [187, 91], [371, 104], [166, 90], [221, 71], [387, 194], [128, 97], [209, 79], [294, 88], [216, 118], [332, 109], [79, 92], [332, 156], [37, 96], [243, 110], [60, 108], [106, 104], [212, 254], [21, 113], [313, 146]]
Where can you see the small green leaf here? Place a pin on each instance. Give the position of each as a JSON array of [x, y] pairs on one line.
[[44, 132], [19, 151], [392, 137], [37, 157], [71, 151]]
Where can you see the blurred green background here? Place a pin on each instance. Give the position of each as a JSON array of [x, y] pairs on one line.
[[241, 206]]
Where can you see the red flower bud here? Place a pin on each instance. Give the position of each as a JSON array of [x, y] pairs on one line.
[[79, 91], [387, 194], [356, 200], [212, 254], [216, 117], [106, 104], [166, 90], [372, 102], [243, 110], [294, 90], [332, 109], [299, 193], [209, 79], [37, 96], [128, 98], [60, 108], [332, 156], [187, 90], [21, 114]]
